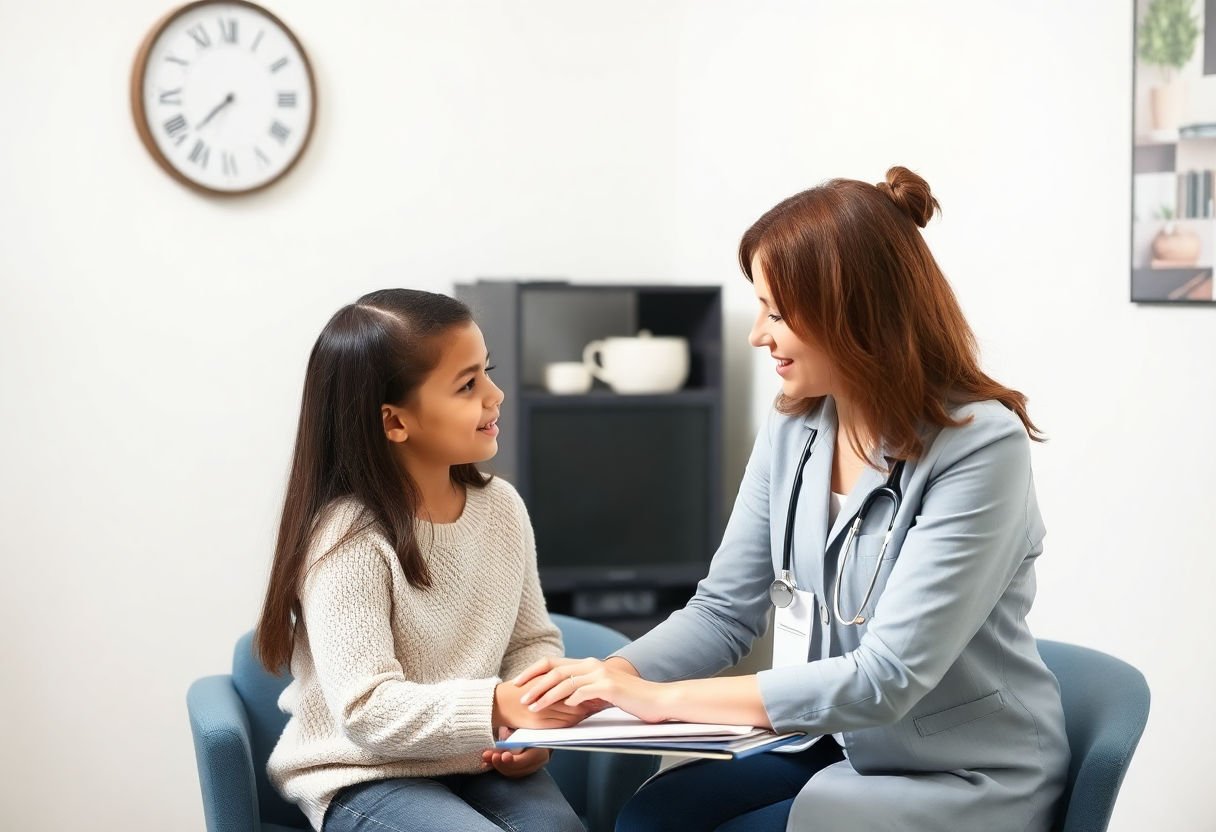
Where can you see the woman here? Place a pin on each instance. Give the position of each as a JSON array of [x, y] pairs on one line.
[[900, 633]]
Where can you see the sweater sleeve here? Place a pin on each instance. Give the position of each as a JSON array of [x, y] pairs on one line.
[[534, 635], [346, 603]]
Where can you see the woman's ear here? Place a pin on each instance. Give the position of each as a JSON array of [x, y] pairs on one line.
[[394, 423]]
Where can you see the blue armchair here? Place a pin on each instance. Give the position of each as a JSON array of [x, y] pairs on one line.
[[236, 723], [1105, 709]]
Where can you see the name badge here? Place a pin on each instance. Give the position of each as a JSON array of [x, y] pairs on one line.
[[792, 645], [792, 630]]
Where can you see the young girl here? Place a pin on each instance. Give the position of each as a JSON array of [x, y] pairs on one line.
[[404, 587]]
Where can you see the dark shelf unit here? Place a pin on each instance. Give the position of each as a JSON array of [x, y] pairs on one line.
[[628, 443]]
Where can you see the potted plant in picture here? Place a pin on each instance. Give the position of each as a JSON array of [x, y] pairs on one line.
[[1173, 247], [1167, 39]]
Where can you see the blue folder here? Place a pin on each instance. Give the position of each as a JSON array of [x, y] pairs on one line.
[[732, 748]]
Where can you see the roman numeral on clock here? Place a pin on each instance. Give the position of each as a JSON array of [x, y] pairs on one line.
[[279, 64], [173, 96], [175, 125], [280, 132], [228, 29], [200, 153], [200, 35], [229, 164], [287, 99]]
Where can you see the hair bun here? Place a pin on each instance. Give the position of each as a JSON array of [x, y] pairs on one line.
[[911, 193]]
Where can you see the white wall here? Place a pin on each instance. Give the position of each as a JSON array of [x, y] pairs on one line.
[[152, 341]]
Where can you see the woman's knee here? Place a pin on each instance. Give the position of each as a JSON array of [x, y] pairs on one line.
[[641, 814], [772, 818], [671, 801]]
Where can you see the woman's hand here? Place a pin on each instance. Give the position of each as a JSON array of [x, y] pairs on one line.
[[545, 674], [510, 712], [594, 685], [514, 763]]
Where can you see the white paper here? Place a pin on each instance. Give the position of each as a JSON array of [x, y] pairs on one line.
[[615, 724]]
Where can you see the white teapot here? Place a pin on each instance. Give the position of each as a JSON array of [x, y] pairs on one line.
[[642, 364]]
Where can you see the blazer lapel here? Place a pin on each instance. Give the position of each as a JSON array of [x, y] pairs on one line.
[[816, 482], [867, 482]]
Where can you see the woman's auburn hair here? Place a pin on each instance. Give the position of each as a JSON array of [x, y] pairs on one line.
[[850, 273]]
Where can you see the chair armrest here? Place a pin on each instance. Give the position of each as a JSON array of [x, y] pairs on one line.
[[1098, 780], [222, 750], [611, 780]]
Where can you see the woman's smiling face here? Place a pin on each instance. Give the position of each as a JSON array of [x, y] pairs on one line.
[[805, 371]]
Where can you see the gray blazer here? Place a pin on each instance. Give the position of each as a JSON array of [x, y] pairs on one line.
[[950, 718]]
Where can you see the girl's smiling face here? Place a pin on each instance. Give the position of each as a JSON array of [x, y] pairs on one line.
[[451, 418], [805, 371]]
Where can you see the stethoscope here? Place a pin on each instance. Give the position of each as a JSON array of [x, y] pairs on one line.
[[781, 592]]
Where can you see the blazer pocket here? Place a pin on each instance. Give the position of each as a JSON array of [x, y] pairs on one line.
[[960, 714]]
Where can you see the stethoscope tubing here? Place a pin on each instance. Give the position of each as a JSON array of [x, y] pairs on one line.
[[781, 592]]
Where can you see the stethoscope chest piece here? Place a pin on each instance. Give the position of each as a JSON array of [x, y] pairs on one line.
[[781, 591]]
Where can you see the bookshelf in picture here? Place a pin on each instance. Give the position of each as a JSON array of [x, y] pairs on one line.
[[1173, 217], [1195, 197], [1204, 130]]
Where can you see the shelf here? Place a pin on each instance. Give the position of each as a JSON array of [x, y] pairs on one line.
[[643, 288], [1192, 284], [1161, 156], [663, 578], [1145, 142], [537, 397], [1153, 158], [1157, 222]]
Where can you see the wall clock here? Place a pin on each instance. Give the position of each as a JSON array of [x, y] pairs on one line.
[[223, 96]]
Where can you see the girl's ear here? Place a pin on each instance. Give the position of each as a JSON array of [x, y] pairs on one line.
[[394, 423]]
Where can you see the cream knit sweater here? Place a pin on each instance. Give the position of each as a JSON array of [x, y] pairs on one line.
[[394, 681]]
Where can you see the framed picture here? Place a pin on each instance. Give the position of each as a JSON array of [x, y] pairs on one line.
[[1173, 245]]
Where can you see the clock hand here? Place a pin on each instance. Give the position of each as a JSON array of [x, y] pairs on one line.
[[228, 99]]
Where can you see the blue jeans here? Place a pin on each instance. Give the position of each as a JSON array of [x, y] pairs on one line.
[[754, 794], [454, 803]]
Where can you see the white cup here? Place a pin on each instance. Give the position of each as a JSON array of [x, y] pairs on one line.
[[567, 378], [642, 364]]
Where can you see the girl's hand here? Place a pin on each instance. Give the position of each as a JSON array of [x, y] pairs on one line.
[[590, 683], [514, 763], [510, 712]]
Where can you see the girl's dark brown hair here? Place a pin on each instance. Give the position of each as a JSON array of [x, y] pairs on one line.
[[375, 351], [850, 273]]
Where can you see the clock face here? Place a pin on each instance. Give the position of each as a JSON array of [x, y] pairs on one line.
[[223, 96]]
